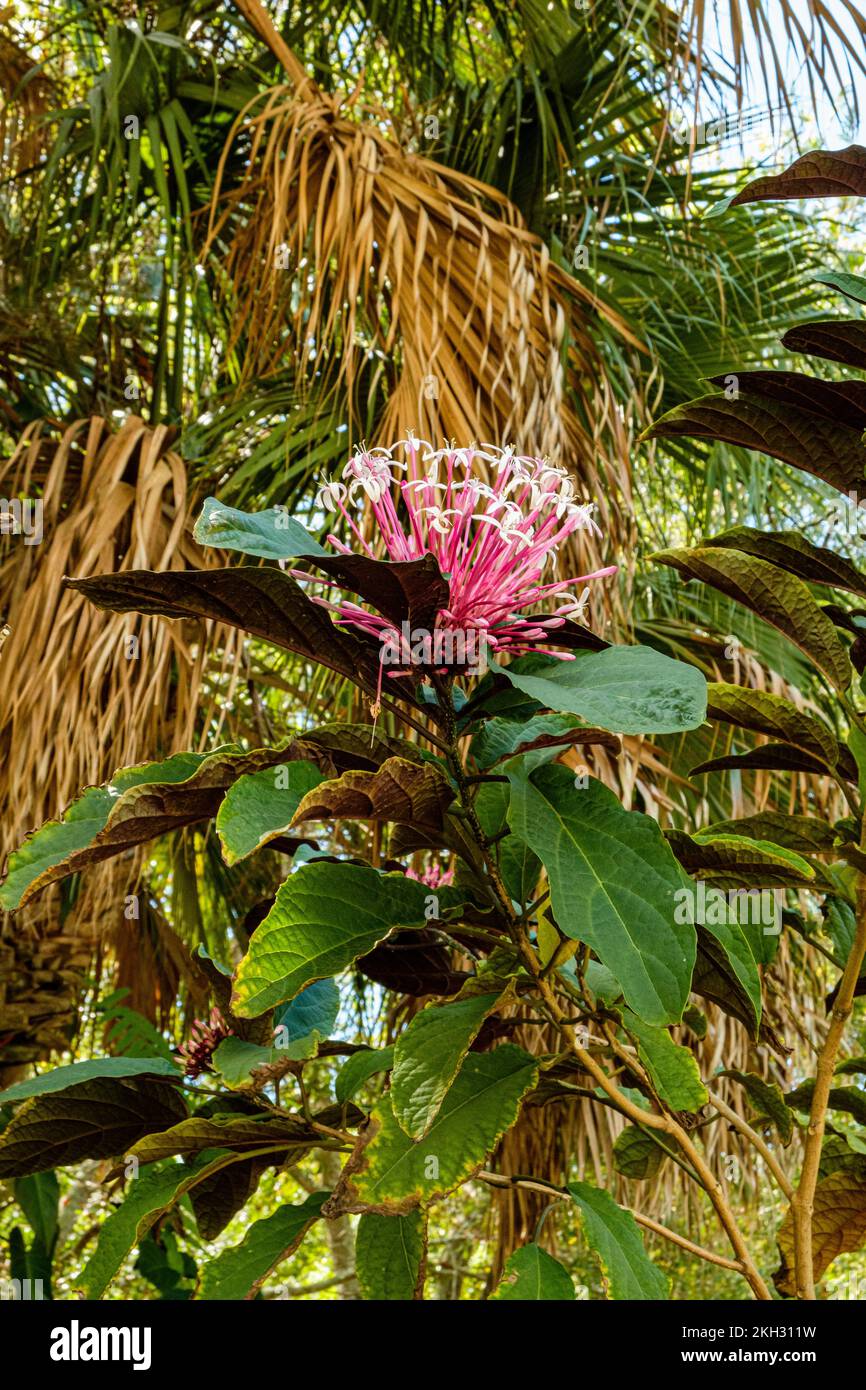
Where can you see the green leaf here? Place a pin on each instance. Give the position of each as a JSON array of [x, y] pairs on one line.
[[614, 1237], [261, 805], [781, 599], [519, 867], [531, 1275], [168, 1269], [215, 968], [31, 1261], [613, 884], [236, 1060], [239, 1272], [727, 973], [847, 1099], [765, 713], [138, 804], [857, 748], [547, 938], [390, 1254], [629, 690], [737, 863], [359, 1068], [775, 757], [695, 1020], [427, 1056], [767, 1101], [394, 1173], [672, 1068], [237, 1133], [38, 1196], [636, 1154], [271, 534], [61, 1078], [741, 850], [839, 1156], [840, 924], [147, 1196], [852, 1066], [101, 1118], [324, 917], [52, 843], [219, 1197], [804, 834], [852, 286], [602, 982], [313, 1011]]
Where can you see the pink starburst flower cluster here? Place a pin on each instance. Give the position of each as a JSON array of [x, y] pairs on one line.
[[433, 876], [496, 541], [204, 1039]]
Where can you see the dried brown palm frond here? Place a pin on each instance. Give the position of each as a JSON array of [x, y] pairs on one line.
[[48, 953], [26, 95], [82, 693], [336, 246], [151, 962], [42, 965]]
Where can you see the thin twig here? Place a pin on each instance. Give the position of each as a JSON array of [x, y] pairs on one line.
[[687, 1244], [755, 1139], [803, 1201], [557, 1194]]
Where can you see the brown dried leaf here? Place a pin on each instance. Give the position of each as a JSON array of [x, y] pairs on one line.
[[838, 1225], [416, 793]]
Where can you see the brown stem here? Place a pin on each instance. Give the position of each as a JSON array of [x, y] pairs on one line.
[[422, 729], [709, 1182], [755, 1139], [687, 1244], [535, 1185], [339, 1233], [804, 1198]]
